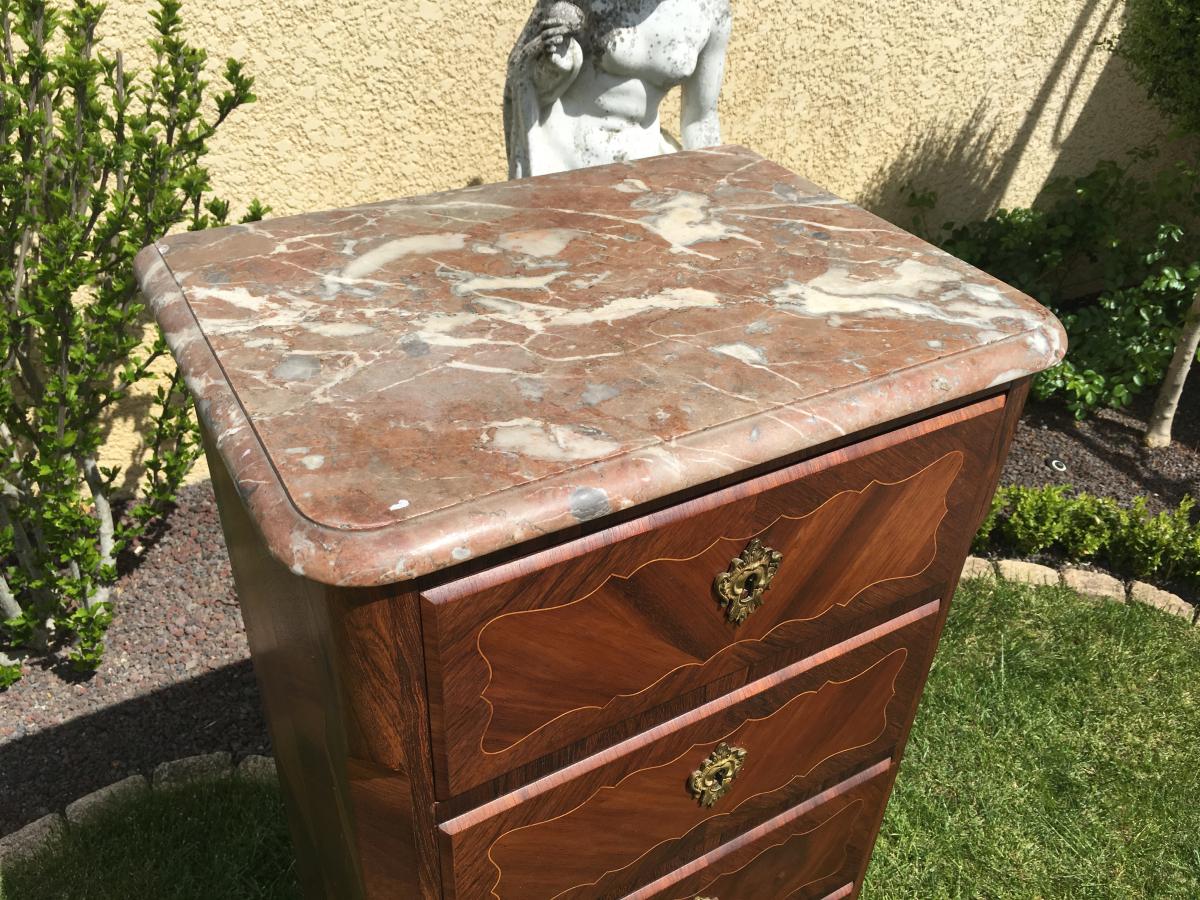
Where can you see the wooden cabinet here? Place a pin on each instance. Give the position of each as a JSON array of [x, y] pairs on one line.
[[589, 792], [581, 558], [528, 657], [636, 806]]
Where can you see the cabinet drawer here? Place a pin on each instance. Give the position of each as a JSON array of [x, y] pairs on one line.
[[626, 816], [527, 658], [814, 850]]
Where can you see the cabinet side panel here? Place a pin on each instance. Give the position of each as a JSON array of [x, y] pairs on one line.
[[391, 779], [288, 628], [1002, 440]]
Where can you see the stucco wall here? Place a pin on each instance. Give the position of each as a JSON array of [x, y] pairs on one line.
[[981, 100]]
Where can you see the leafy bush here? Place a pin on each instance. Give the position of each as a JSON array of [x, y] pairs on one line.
[[1088, 524], [1034, 522], [95, 162], [1110, 227], [1149, 545], [1160, 40], [1121, 343], [1082, 527]]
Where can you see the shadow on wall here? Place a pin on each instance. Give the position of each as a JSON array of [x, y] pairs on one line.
[[961, 165], [971, 165], [125, 428], [125, 443]]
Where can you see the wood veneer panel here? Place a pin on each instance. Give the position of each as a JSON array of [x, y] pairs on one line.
[[538, 653], [1017, 394], [649, 623], [390, 774], [798, 854], [341, 677], [625, 816]]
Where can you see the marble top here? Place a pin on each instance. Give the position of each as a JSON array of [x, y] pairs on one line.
[[399, 387]]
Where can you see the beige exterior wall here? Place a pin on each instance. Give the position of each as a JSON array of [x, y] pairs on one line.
[[981, 100]]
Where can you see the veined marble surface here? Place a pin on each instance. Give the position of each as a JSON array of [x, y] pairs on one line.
[[402, 386]]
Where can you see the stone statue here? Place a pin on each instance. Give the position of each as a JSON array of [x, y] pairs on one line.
[[586, 79]]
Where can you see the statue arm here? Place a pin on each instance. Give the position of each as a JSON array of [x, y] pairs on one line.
[[543, 64], [701, 125], [547, 53]]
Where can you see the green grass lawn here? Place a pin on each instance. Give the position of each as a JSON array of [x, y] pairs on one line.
[[1056, 754], [223, 840]]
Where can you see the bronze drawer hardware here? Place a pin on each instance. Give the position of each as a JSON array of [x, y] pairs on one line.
[[741, 587], [711, 781]]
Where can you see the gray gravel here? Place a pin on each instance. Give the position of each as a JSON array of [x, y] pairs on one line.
[[1104, 455], [175, 681]]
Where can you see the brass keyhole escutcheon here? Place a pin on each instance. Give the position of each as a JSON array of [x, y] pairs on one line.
[[711, 781], [741, 587]]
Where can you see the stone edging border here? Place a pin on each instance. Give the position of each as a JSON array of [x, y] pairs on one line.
[[1083, 581], [28, 840]]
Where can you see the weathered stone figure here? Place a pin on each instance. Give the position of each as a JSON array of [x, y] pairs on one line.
[[586, 79]]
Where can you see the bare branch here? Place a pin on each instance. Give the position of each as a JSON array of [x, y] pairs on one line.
[[103, 510], [9, 607], [1158, 432]]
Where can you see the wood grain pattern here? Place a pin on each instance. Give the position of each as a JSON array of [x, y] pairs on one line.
[[787, 744], [800, 853], [602, 818], [782, 871], [291, 641], [1001, 441], [378, 635], [341, 676], [643, 625], [862, 528]]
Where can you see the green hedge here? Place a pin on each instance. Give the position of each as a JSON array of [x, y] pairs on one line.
[[1127, 539]]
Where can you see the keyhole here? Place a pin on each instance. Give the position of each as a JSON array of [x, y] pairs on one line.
[[750, 583]]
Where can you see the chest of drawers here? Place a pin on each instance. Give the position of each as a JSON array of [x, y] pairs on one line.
[[594, 533]]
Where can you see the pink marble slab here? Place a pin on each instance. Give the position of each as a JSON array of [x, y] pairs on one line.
[[399, 387]]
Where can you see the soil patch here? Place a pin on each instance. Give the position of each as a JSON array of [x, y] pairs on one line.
[[176, 680], [1105, 456]]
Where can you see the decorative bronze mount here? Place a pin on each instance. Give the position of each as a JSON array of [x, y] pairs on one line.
[[711, 781], [740, 589]]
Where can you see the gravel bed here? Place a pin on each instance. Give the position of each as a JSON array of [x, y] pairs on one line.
[[176, 678], [1104, 455]]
